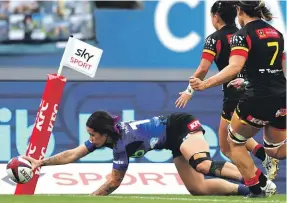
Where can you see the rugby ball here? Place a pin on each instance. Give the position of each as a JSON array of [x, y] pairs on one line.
[[19, 170]]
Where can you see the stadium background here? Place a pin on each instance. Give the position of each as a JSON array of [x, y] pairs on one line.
[[144, 66]]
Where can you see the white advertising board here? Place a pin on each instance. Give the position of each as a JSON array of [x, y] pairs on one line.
[[141, 178]]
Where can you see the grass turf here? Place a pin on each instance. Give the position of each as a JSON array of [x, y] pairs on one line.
[[135, 198]]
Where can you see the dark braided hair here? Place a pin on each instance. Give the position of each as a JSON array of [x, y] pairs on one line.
[[255, 9], [103, 123], [226, 10]]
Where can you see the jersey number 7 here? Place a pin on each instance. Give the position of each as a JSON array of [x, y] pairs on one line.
[[273, 44]]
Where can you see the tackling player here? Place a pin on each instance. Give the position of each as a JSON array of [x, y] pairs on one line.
[[181, 133], [217, 49], [259, 46]]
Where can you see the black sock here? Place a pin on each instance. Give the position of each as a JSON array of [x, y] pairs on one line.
[[259, 152], [255, 189], [262, 180], [254, 184]]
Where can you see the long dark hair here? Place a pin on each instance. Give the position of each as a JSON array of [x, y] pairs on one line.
[[226, 10], [103, 123], [255, 9]]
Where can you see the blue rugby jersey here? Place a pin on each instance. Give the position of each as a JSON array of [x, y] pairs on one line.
[[137, 138]]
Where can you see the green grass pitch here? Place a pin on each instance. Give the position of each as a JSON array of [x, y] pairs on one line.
[[136, 199]]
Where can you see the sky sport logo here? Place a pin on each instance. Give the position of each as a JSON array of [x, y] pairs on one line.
[[84, 54], [82, 63]]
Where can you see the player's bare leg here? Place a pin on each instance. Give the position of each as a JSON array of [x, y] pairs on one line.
[[275, 142], [253, 177], [270, 164], [195, 150], [196, 184], [222, 134]]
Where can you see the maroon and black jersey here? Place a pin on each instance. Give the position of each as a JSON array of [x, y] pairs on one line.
[[263, 46], [217, 49]]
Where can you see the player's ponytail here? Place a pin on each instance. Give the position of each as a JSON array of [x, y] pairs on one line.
[[226, 10], [103, 123], [265, 13], [256, 9]]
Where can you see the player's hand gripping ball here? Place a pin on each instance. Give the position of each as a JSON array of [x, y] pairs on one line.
[[19, 170]]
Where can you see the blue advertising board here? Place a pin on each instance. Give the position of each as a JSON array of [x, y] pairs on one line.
[[19, 103], [164, 34]]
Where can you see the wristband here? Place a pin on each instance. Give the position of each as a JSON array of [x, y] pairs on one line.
[[189, 90]]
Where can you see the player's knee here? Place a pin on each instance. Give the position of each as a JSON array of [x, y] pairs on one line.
[[216, 168], [275, 153], [236, 138], [200, 161], [280, 155], [275, 150], [203, 167]]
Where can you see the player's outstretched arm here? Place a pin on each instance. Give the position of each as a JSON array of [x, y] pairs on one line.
[[64, 157], [113, 182], [186, 95]]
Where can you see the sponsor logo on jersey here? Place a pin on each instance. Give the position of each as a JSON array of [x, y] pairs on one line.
[[124, 127], [118, 162], [267, 33], [138, 154], [274, 71], [256, 120], [193, 125], [153, 142], [271, 71]]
